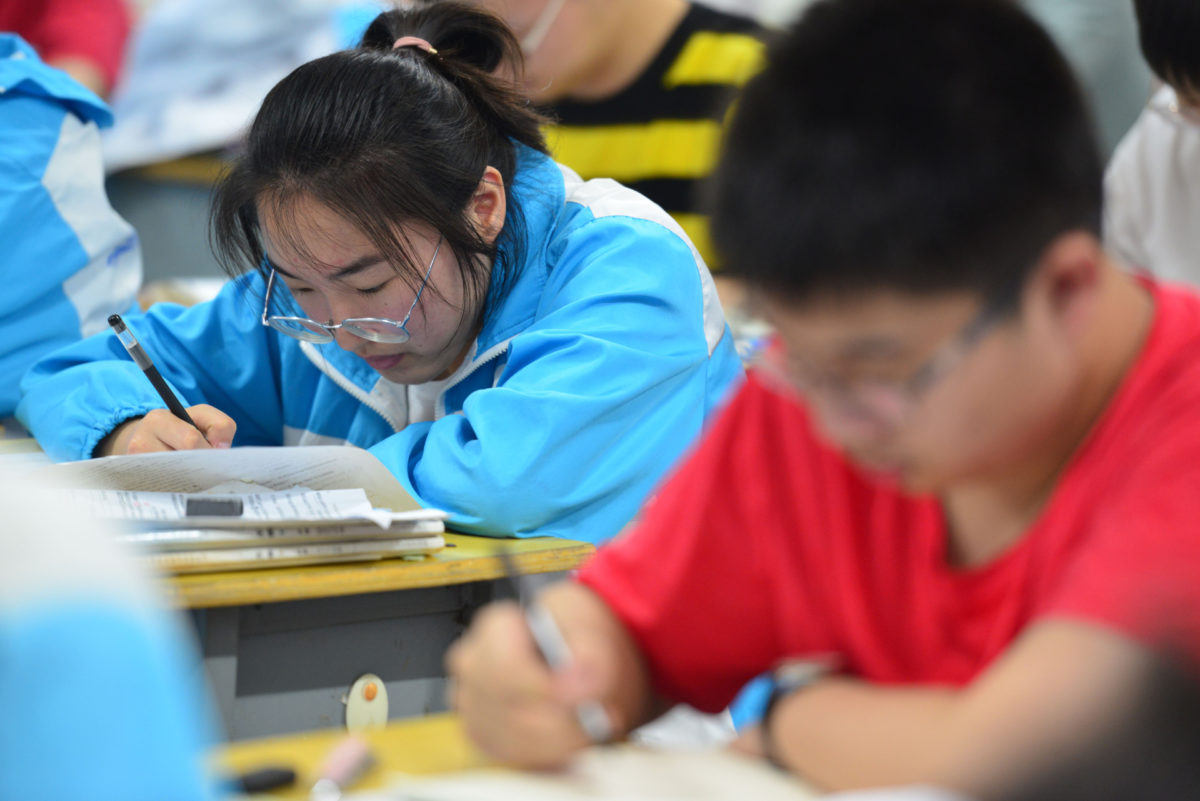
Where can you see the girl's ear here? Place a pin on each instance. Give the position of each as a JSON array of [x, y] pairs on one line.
[[487, 208]]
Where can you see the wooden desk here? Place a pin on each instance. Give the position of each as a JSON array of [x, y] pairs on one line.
[[471, 559], [433, 744], [282, 646], [437, 744]]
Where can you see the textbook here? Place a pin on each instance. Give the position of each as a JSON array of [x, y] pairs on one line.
[[252, 507]]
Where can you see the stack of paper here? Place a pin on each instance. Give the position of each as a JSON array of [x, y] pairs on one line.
[[242, 508]]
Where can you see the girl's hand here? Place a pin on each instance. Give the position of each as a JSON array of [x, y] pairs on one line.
[[160, 430]]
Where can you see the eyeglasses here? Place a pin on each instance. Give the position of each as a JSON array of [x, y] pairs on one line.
[[375, 329], [1174, 110], [887, 402]]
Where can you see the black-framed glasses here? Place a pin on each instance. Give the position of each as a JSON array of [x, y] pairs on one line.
[[375, 329], [885, 401]]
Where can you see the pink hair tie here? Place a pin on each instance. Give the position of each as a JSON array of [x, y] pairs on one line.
[[414, 41]]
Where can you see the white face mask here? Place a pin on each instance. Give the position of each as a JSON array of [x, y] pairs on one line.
[[532, 40]]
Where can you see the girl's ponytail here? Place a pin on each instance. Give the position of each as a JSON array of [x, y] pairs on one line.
[[473, 50]]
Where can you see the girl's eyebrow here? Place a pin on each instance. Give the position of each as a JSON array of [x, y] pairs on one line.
[[354, 267], [358, 265]]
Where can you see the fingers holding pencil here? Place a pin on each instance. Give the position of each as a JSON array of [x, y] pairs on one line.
[[172, 429], [161, 430], [506, 695]]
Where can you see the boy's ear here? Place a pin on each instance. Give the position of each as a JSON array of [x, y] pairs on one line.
[[487, 206], [1069, 273]]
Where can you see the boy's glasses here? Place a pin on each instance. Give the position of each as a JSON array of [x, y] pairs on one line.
[[375, 329], [888, 402]]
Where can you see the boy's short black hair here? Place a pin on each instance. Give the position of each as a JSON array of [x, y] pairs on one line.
[[915, 145], [1169, 31]]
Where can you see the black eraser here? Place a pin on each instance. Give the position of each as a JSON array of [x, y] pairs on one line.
[[214, 507], [264, 779]]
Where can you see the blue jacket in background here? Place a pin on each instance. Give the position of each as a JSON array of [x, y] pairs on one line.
[[592, 374], [67, 260], [125, 715]]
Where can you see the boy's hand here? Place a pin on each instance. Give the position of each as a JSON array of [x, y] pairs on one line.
[[512, 705], [519, 711], [160, 430]]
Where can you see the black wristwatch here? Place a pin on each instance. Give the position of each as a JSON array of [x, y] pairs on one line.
[[788, 678]]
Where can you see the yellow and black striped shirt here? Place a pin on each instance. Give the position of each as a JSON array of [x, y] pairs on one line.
[[660, 135]]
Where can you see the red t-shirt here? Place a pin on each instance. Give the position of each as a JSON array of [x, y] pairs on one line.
[[768, 544], [91, 29]]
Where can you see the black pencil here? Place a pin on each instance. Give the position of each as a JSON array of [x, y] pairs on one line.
[[143, 361]]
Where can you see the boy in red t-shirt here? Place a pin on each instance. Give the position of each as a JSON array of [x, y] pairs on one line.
[[968, 473]]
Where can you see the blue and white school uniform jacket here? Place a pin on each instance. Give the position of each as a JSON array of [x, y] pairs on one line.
[[591, 375], [67, 260]]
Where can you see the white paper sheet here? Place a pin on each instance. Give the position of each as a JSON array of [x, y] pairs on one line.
[[294, 507], [620, 773]]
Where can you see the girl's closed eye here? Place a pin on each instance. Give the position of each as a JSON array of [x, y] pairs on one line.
[[371, 290]]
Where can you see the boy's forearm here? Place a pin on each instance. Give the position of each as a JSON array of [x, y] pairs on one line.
[[1059, 681], [844, 734]]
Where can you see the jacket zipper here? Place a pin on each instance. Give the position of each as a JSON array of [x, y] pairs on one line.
[[345, 383], [488, 355], [366, 400]]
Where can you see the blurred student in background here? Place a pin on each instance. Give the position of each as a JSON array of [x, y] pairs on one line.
[[68, 260], [637, 90], [961, 476], [84, 38], [101, 690], [1152, 189], [525, 350]]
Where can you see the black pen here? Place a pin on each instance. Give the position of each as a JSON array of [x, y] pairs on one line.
[[593, 718], [143, 361]]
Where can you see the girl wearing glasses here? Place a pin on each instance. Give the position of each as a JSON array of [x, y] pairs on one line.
[[526, 350]]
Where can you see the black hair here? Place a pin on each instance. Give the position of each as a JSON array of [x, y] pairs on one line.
[[915, 145], [1169, 32], [384, 137]]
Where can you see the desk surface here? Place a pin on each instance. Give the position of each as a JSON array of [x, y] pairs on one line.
[[472, 559], [434, 744], [13, 438]]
